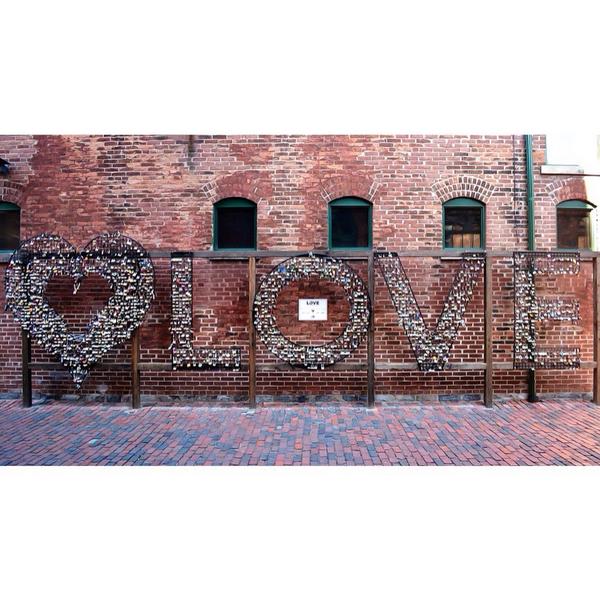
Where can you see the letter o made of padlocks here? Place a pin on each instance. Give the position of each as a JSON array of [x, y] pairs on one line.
[[304, 267]]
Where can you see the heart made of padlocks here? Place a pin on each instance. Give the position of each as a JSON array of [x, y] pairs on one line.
[[123, 262]]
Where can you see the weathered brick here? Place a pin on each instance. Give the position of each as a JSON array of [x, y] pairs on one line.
[[160, 191]]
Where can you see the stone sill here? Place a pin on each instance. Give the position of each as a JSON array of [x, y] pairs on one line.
[[567, 170]]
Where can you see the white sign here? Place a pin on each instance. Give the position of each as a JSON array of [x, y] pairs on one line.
[[312, 310]]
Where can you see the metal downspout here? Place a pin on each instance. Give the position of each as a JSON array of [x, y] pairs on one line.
[[529, 175], [531, 395]]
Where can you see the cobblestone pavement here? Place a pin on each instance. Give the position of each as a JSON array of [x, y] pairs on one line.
[[515, 433]]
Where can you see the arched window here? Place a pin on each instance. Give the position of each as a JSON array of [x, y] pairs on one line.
[[10, 226], [350, 223], [234, 224], [574, 224], [463, 223]]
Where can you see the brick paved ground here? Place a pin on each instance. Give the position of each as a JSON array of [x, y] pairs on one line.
[[516, 433]]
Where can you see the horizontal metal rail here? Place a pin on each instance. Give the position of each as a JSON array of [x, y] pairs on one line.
[[341, 254], [340, 366], [352, 254]]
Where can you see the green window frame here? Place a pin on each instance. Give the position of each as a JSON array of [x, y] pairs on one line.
[[464, 203], [233, 203], [349, 201], [9, 207], [579, 206]]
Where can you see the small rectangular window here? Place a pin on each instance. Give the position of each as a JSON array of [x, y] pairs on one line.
[[350, 223], [9, 230], [350, 226], [463, 227], [573, 228], [236, 228]]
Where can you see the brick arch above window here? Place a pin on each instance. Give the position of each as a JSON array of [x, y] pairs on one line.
[[346, 186], [462, 186], [566, 189], [252, 185]]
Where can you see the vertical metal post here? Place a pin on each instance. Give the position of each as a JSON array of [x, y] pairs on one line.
[[135, 370], [488, 395], [371, 335], [25, 360], [251, 333], [596, 296]]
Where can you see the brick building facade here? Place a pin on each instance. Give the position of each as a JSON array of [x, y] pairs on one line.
[[160, 190]]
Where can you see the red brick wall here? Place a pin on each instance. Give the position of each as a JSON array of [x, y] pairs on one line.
[[160, 191]]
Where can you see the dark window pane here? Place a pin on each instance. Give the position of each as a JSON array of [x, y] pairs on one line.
[[9, 229], [349, 226], [573, 228], [462, 227], [236, 227]]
